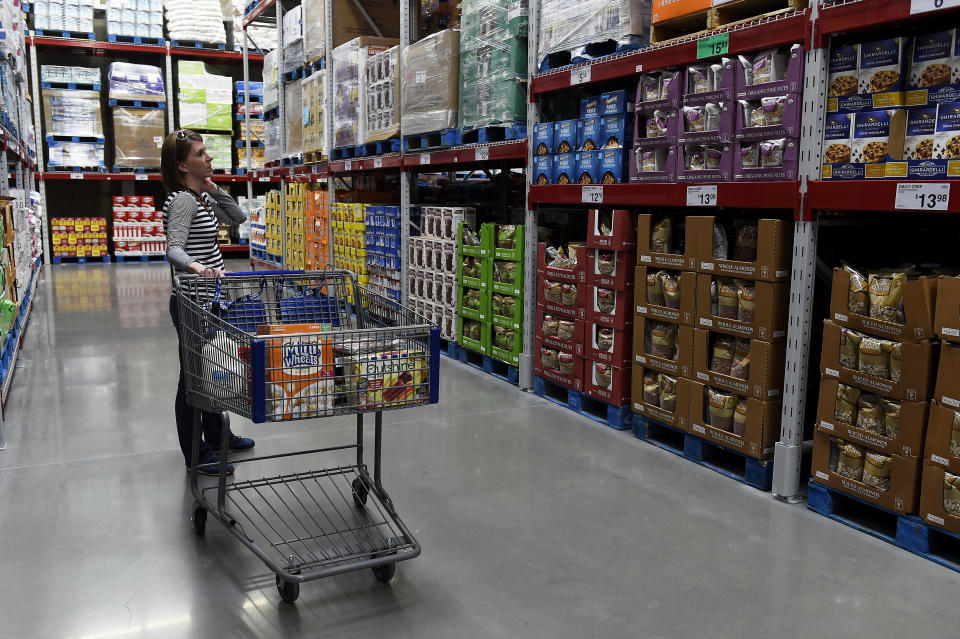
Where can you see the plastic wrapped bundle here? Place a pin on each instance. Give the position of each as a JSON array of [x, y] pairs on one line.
[[74, 113], [382, 112], [271, 140], [430, 83], [271, 97], [567, 25], [349, 69], [314, 29], [206, 100], [144, 18], [83, 154], [219, 148], [314, 140], [195, 20], [77, 75], [138, 137], [135, 82], [261, 36], [293, 113]]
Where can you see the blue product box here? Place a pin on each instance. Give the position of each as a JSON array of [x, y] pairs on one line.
[[589, 138], [617, 102], [565, 136], [612, 166], [564, 168], [543, 169], [588, 163], [616, 131], [543, 138], [930, 64], [883, 65], [591, 107]]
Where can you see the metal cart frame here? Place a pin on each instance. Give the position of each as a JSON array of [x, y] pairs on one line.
[[315, 523]]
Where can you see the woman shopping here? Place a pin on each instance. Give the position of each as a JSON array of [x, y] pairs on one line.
[[191, 215]]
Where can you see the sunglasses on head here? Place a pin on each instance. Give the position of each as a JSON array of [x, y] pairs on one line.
[[183, 134]]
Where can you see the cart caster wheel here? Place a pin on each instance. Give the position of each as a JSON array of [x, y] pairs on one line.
[[199, 519], [385, 573], [359, 493], [289, 590]]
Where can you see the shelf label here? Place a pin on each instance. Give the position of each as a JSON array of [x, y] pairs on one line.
[[580, 75], [76, 176], [348, 165], [482, 154], [420, 77], [713, 46], [922, 6], [263, 179], [424, 158], [639, 68], [591, 195], [925, 196], [703, 195], [378, 163], [140, 177]]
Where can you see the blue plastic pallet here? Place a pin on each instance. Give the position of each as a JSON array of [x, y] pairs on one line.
[[293, 160], [259, 254], [432, 140], [72, 86], [79, 169], [343, 153], [93, 139], [59, 259], [129, 39], [137, 104], [129, 259], [380, 147], [76, 35], [905, 531], [243, 99], [589, 53], [194, 44], [709, 454], [313, 67], [450, 348], [616, 417], [295, 74], [242, 144], [492, 133], [134, 169], [253, 116]]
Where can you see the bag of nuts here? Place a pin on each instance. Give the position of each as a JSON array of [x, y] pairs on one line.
[[654, 288], [886, 295], [661, 236], [876, 471], [858, 299], [651, 388], [891, 418], [668, 393], [955, 435], [875, 357], [728, 303], [850, 463], [850, 348], [722, 407], [663, 340], [845, 409], [671, 289], [740, 367], [896, 362], [870, 415], [746, 292], [723, 350], [951, 494], [740, 417], [565, 329], [568, 295], [550, 325]]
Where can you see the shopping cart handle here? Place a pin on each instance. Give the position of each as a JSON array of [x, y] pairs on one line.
[[228, 274]]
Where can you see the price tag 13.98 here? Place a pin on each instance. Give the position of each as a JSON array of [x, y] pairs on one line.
[[482, 154], [580, 75], [922, 6], [705, 195], [591, 195], [76, 176], [923, 196]]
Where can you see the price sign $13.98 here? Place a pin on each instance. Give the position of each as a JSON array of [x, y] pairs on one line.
[[926, 196]]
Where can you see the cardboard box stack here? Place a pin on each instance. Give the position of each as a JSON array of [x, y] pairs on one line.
[[559, 345], [350, 241], [137, 226], [295, 245], [272, 224], [125, 18], [70, 114], [434, 266], [568, 25], [316, 223], [710, 327], [505, 290], [383, 250], [314, 138], [77, 16], [381, 111], [293, 114], [591, 150], [474, 258], [350, 87], [430, 83], [879, 365], [205, 100], [250, 100], [493, 62], [78, 237]]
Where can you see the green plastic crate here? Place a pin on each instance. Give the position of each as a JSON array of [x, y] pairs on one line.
[[482, 282], [485, 249], [514, 254], [478, 346], [512, 286], [513, 320], [482, 314], [509, 355]]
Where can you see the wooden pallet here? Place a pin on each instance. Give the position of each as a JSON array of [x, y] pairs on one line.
[[311, 157], [724, 15]]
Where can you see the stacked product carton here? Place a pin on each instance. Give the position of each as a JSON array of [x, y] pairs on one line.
[[131, 19], [350, 240], [568, 25], [70, 114], [561, 314], [349, 81], [137, 226], [77, 237], [314, 137], [434, 265], [205, 100], [294, 229], [316, 223], [879, 366], [76, 16], [384, 250], [138, 128], [430, 83], [505, 271], [382, 106]]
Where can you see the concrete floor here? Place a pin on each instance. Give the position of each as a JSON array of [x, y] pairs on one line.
[[535, 522]]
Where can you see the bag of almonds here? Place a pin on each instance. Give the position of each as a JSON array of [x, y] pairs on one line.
[[723, 350], [668, 393], [850, 464], [651, 388], [727, 301], [654, 288], [663, 340], [740, 367], [671, 289], [886, 295], [875, 357], [870, 415], [740, 417], [722, 407], [876, 471], [891, 418], [858, 300], [845, 410], [951, 494], [746, 292]]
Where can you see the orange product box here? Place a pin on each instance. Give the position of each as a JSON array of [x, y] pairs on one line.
[[760, 432], [687, 281], [770, 304], [643, 347], [919, 302], [678, 418], [669, 9], [300, 371], [933, 494]]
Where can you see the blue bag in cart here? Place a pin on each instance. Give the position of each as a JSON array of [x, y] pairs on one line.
[[246, 313], [310, 306]]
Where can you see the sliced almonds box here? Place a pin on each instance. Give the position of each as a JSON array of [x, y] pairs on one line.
[[942, 446], [662, 397], [853, 295], [940, 498]]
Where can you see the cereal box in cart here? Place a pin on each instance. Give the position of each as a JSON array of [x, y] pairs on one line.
[[299, 371]]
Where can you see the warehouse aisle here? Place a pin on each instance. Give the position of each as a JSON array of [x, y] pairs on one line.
[[535, 522]]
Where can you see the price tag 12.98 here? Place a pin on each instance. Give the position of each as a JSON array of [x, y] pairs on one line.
[[140, 177], [923, 196], [591, 195], [580, 75], [705, 195]]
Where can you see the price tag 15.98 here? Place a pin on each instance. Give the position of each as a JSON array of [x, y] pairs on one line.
[[923, 196], [591, 195], [482, 154], [922, 6], [704, 195], [580, 75], [424, 158], [713, 46]]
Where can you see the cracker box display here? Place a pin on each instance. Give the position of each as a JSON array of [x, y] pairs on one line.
[[744, 424], [656, 244], [543, 138], [615, 130], [751, 368], [940, 498], [888, 481], [591, 107], [666, 295], [762, 250], [662, 346], [942, 443], [586, 167], [912, 302], [884, 425], [300, 370], [743, 308], [661, 397]]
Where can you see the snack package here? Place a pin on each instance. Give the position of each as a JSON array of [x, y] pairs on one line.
[[876, 471], [508, 306], [896, 362], [875, 357], [651, 388], [661, 236], [768, 66], [668, 393], [650, 87], [694, 158], [552, 291], [602, 375], [503, 338], [850, 348], [712, 156], [507, 236], [699, 79], [671, 289], [604, 337], [740, 367], [850, 463], [565, 329], [845, 409], [667, 78], [606, 262], [886, 295], [746, 292], [550, 325], [712, 112], [695, 118], [655, 288], [750, 155], [771, 152], [951, 494], [723, 351], [891, 418], [745, 246], [858, 300], [549, 358], [727, 300], [565, 361], [606, 300], [842, 70], [740, 417], [662, 340], [955, 435], [870, 415], [568, 295], [722, 407]]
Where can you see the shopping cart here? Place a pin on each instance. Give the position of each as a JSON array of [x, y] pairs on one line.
[[282, 346]]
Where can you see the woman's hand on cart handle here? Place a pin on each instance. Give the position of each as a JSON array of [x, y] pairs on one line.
[[206, 271]]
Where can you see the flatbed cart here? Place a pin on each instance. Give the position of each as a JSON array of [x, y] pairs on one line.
[[280, 346]]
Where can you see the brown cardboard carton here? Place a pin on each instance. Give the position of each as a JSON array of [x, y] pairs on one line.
[[947, 392], [684, 262], [774, 250], [138, 136], [679, 418], [931, 500], [919, 301], [769, 317], [688, 298], [936, 450], [947, 319], [909, 441], [350, 23], [762, 429], [918, 365], [430, 83], [904, 479], [681, 366], [766, 368]]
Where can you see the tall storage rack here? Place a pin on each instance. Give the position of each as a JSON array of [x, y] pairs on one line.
[[801, 201]]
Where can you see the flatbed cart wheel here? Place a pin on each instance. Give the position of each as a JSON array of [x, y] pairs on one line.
[[289, 590], [199, 519], [385, 573], [359, 493]]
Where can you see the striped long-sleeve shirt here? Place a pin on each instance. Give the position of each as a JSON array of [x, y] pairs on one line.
[[192, 230]]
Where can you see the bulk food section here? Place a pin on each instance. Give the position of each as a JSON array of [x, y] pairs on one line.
[[660, 214]]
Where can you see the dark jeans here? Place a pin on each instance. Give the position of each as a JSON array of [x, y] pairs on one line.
[[209, 422]]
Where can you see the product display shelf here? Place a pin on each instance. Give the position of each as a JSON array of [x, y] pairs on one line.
[[779, 195], [514, 151], [11, 348], [864, 195], [375, 163], [128, 177], [97, 47], [844, 16]]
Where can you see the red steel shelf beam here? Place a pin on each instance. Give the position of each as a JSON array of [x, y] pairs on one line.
[[95, 47], [762, 34], [864, 195], [857, 15], [257, 11], [467, 155], [125, 177], [753, 195], [391, 161]]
